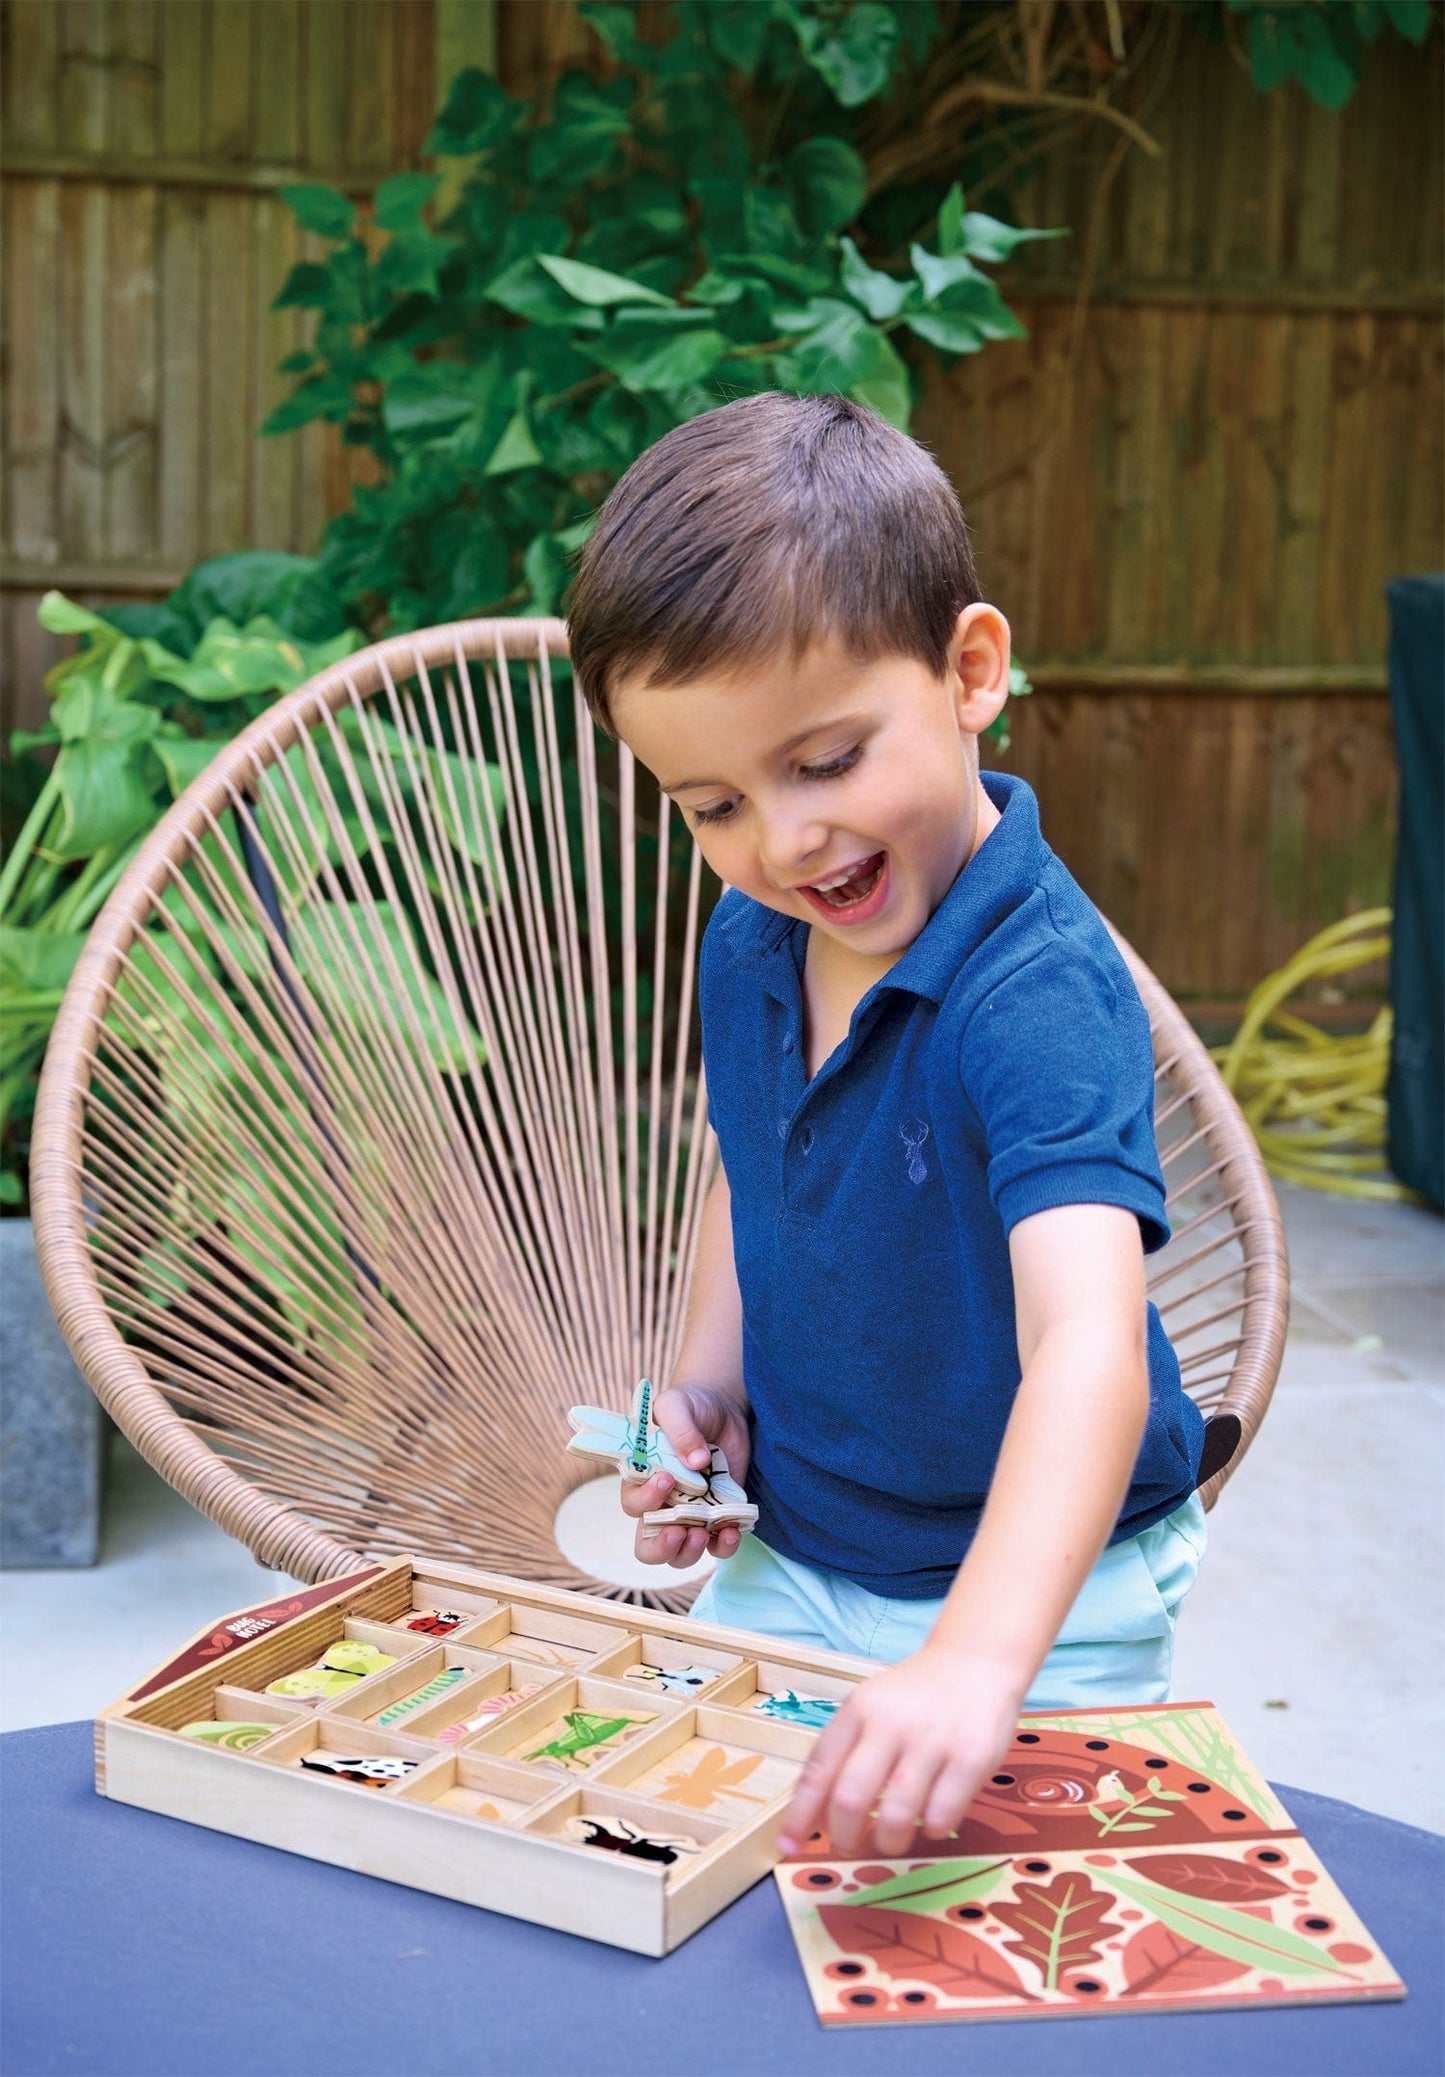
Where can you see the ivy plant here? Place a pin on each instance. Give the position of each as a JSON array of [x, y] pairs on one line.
[[691, 224]]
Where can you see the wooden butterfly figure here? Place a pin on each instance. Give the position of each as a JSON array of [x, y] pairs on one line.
[[636, 1445]]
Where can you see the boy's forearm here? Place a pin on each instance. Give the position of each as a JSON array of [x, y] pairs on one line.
[[712, 1341], [1073, 1435]]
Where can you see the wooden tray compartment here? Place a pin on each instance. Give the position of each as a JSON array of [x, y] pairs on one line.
[[460, 1782], [565, 1643], [758, 1679], [389, 1689], [667, 1655], [655, 1820], [741, 1765], [288, 1747], [542, 1721], [427, 1596]]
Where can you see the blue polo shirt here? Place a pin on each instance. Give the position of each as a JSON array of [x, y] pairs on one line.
[[1002, 1066]]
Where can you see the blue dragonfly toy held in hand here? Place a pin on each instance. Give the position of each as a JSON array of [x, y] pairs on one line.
[[638, 1447], [635, 1444]]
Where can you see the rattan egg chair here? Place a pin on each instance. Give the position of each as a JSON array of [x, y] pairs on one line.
[[373, 1136]]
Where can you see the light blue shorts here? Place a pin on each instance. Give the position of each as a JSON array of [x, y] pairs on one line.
[[1116, 1646]]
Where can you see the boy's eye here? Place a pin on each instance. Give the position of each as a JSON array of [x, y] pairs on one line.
[[834, 768], [717, 814]]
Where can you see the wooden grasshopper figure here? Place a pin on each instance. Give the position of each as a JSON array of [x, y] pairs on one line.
[[638, 1447]]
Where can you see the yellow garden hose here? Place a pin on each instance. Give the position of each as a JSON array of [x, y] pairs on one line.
[[1316, 1104]]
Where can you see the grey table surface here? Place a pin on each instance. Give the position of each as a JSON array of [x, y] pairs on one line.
[[139, 1946]]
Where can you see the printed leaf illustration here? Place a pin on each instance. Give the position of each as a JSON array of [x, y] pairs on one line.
[[929, 1950], [1201, 1875], [1158, 1962], [1224, 1930], [1059, 1926], [933, 1888]]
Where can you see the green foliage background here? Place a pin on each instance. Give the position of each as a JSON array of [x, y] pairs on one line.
[[692, 221]]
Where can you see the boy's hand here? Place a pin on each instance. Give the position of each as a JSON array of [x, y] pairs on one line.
[[911, 1745], [694, 1418]]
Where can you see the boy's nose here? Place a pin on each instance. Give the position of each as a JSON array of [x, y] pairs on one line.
[[789, 844]]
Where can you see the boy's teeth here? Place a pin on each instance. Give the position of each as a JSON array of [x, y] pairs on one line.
[[852, 884]]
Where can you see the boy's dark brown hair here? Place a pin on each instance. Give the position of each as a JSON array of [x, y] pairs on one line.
[[761, 527]]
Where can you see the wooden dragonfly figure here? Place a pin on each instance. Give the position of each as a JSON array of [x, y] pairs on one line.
[[635, 1443]]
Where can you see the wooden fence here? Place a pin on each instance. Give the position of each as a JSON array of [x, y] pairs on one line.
[[1187, 488]]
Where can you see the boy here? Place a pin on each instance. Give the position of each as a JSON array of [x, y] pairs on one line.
[[918, 1324]]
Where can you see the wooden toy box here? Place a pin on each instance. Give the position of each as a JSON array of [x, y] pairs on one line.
[[479, 1816]]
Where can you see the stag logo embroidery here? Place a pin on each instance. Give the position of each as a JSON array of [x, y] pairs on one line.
[[913, 1133]]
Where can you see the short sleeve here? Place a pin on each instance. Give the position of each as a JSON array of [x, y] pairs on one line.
[[1058, 1067]]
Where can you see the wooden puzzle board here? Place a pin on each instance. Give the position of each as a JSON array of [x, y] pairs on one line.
[[1118, 1861], [591, 1766]]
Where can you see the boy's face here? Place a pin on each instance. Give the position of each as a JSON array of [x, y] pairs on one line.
[[798, 777]]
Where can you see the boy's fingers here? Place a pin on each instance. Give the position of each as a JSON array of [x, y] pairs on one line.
[[724, 1542], [903, 1801], [855, 1794], [693, 1544], [651, 1493], [804, 1815], [676, 1420], [949, 1797], [657, 1546]]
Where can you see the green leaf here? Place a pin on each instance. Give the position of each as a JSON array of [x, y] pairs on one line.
[[616, 27], [401, 200], [1224, 1930], [582, 140], [38, 961], [882, 295], [949, 330], [328, 396], [306, 287], [950, 222], [230, 662], [886, 388], [1409, 18], [738, 31], [646, 358], [87, 710], [324, 210], [63, 617], [103, 797], [856, 61], [354, 978], [515, 450], [595, 287], [410, 264], [525, 290], [477, 114], [933, 1888], [184, 758], [829, 183], [936, 274], [985, 238]]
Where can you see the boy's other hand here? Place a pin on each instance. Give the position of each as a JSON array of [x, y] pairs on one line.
[[906, 1751], [695, 1419]]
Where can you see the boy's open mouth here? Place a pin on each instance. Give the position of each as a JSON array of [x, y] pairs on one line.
[[857, 888]]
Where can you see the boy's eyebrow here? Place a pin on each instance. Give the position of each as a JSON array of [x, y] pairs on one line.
[[818, 728]]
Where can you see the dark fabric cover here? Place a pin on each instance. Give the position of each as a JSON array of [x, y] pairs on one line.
[[1417, 967], [133, 1943]]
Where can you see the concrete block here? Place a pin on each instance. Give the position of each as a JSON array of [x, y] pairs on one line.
[[52, 1428]]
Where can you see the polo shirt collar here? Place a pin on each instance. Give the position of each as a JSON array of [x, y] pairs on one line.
[[996, 879]]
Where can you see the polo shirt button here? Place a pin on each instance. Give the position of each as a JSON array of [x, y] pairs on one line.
[[806, 1136], [788, 1043]]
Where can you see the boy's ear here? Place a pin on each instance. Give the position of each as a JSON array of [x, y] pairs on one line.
[[978, 661]]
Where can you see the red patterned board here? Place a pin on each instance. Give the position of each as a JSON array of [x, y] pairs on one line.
[[1117, 1861]]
